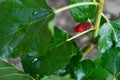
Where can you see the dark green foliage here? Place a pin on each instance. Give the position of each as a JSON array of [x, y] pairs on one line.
[[111, 61], [83, 13], [109, 35], [27, 30], [10, 72], [22, 26]]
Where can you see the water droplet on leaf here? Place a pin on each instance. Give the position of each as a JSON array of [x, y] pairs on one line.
[[35, 13]]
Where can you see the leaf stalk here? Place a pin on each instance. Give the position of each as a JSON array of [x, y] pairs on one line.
[[96, 26], [75, 5], [87, 49], [105, 17], [79, 34]]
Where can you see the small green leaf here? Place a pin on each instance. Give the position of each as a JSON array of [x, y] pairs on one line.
[[109, 35], [82, 13], [87, 70], [111, 61], [90, 71], [9, 72], [83, 69], [105, 40]]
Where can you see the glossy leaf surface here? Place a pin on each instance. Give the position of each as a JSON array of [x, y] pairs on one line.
[[109, 36], [55, 58], [82, 13], [9, 72], [24, 27], [111, 61]]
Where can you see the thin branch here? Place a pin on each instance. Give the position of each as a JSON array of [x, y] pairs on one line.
[[87, 49], [105, 17], [79, 34], [75, 5], [96, 26], [98, 18]]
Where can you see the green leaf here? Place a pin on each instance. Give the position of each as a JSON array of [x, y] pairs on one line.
[[109, 35], [55, 58], [16, 76], [9, 72], [116, 26], [82, 13], [88, 70], [53, 77], [105, 40], [24, 27], [83, 69], [111, 61], [98, 74]]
